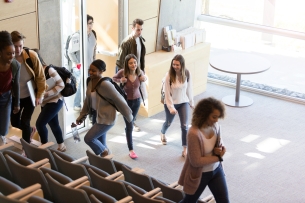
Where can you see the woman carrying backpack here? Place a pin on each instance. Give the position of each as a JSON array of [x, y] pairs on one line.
[[178, 98], [51, 105], [9, 82], [131, 76], [106, 112]]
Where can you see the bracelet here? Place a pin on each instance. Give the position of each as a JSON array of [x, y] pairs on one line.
[[219, 158]]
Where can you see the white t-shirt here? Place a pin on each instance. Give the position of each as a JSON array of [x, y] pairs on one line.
[[138, 50]]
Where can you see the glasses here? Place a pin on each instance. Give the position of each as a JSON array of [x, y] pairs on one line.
[[91, 23]]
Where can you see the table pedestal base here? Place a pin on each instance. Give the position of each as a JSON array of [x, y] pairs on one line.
[[243, 101]]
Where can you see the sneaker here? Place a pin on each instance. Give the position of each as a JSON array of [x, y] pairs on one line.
[[3, 138], [77, 108], [62, 149], [23, 153], [163, 139], [104, 153], [33, 132], [136, 128], [184, 153], [133, 155]]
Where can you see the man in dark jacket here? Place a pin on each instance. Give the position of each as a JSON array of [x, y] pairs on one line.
[[133, 44]]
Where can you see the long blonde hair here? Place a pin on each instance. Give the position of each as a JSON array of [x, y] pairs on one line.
[[172, 72]]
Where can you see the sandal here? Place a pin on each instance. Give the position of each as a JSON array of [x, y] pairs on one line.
[[62, 149], [184, 154]]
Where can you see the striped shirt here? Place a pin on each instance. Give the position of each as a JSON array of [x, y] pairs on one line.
[[53, 95]]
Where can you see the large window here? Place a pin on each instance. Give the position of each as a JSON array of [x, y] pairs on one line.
[[273, 29]]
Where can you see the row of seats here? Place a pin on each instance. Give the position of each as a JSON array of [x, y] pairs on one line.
[[62, 178]]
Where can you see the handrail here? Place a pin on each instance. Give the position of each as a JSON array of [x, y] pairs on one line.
[[252, 26]]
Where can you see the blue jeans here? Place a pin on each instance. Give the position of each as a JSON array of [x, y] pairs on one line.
[[49, 115], [77, 98], [96, 137], [183, 111], [5, 106], [134, 105], [216, 181], [22, 119]]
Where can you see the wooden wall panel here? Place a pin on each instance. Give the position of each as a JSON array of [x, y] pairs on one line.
[[27, 25], [143, 9], [16, 8]]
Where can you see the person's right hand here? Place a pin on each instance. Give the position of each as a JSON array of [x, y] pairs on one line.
[[173, 111], [16, 109], [78, 122], [123, 80]]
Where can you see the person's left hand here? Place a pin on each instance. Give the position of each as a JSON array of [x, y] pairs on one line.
[[219, 150], [142, 78], [38, 101]]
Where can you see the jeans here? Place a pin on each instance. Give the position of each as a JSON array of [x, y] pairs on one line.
[[5, 106], [96, 137], [134, 105], [49, 115], [22, 119], [216, 181], [183, 111], [77, 98]]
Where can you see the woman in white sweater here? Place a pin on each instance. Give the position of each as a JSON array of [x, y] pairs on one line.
[[178, 98]]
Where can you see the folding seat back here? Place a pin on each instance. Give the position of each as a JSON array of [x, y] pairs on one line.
[[36, 154], [4, 170], [105, 164], [138, 198]]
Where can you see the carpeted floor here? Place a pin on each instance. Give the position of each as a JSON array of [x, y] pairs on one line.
[[265, 148]]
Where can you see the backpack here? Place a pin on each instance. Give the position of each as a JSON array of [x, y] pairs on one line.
[[117, 87], [67, 77], [68, 43], [163, 81]]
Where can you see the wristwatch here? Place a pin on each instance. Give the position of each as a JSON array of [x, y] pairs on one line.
[[219, 158]]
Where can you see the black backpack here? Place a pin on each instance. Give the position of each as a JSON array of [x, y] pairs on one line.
[[117, 87], [70, 87]]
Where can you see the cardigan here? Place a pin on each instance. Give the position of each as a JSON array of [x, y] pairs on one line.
[[190, 176], [106, 113]]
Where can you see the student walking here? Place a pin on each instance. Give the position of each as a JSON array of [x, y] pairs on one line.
[[205, 153], [178, 98], [51, 105], [106, 113], [131, 76], [9, 82], [31, 69]]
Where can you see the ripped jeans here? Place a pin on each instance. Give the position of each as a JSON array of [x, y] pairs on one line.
[[183, 112]]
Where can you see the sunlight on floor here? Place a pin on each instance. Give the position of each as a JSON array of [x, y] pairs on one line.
[[255, 155], [119, 139], [144, 146], [271, 145], [157, 120], [249, 138]]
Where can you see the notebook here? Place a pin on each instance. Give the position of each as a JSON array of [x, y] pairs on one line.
[[51, 83]]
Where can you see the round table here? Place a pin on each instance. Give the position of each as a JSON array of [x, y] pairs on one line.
[[239, 63]]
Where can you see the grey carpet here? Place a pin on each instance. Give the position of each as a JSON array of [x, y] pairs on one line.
[[265, 148]]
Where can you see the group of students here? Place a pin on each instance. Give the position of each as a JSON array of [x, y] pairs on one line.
[[201, 144], [17, 67]]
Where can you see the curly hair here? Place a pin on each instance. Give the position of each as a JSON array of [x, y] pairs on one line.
[[5, 40], [99, 64], [126, 67], [203, 110], [172, 72]]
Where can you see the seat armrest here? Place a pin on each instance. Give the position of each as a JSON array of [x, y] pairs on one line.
[[174, 184], [46, 145], [77, 182], [109, 156], [138, 170], [38, 163], [152, 192], [7, 145], [125, 199], [114, 175], [80, 160], [21, 193]]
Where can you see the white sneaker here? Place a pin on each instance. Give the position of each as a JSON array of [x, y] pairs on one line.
[[76, 108], [3, 138], [136, 128]]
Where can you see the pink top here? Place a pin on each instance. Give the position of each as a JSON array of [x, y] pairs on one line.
[[131, 88], [6, 81]]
